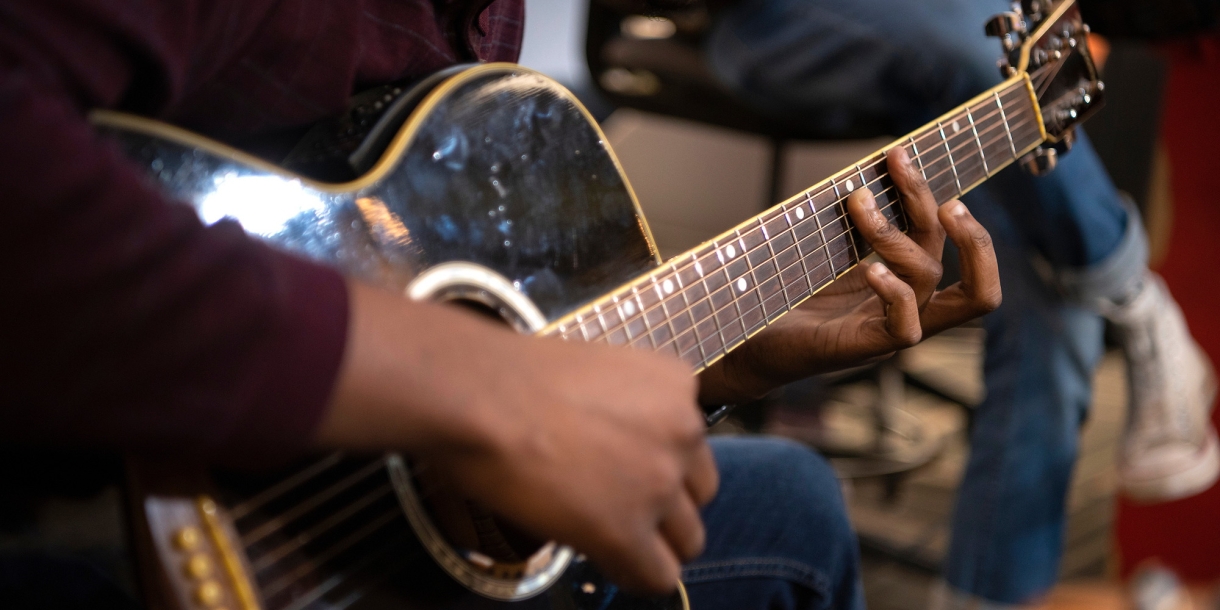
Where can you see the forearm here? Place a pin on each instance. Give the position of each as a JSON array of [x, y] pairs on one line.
[[417, 376], [130, 325]]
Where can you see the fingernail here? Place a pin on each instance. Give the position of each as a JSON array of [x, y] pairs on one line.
[[957, 208], [900, 152], [869, 202], [881, 270]]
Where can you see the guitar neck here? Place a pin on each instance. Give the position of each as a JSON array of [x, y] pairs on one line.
[[704, 303]]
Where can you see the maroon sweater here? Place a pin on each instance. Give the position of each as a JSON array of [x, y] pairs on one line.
[[124, 322]]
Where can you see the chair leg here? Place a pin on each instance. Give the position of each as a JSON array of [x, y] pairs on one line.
[[775, 193]]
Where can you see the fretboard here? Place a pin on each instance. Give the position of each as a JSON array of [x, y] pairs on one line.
[[702, 304]]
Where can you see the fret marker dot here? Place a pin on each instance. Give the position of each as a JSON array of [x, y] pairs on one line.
[[730, 251], [851, 186], [628, 308], [741, 284], [956, 127], [668, 286], [800, 213]]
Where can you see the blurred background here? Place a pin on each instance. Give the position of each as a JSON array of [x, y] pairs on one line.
[[897, 433]]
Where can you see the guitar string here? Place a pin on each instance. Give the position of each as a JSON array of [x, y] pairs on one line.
[[289, 484], [625, 321], [387, 570], [283, 519], [312, 595], [639, 340], [270, 558], [701, 343], [686, 264], [316, 561], [414, 470], [308, 597]]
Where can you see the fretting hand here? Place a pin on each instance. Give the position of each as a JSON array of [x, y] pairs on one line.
[[876, 308]]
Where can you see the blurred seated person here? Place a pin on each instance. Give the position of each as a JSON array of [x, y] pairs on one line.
[[134, 328], [1072, 253]]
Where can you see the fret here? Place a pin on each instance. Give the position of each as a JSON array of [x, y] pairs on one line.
[[662, 322], [728, 314], [917, 158], [889, 201], [710, 265], [803, 228], [817, 216], [969, 165], [996, 145], [701, 312], [974, 128], [938, 170], [795, 251], [748, 293], [771, 242], [1004, 117], [618, 336], [678, 310], [949, 152], [776, 304], [683, 316], [707, 302], [843, 256], [751, 242], [841, 201], [642, 318], [599, 331]]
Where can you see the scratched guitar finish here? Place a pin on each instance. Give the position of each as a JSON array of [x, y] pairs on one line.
[[498, 189]]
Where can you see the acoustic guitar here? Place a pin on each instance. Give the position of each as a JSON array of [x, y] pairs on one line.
[[492, 187]]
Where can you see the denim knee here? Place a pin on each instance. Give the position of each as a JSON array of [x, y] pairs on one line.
[[778, 532]]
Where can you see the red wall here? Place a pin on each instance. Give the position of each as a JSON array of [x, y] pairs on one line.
[[1185, 535]]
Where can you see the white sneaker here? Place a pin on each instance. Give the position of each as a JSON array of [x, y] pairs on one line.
[[1169, 449]]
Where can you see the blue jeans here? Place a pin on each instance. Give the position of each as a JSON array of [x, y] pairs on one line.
[[777, 533], [1064, 242]]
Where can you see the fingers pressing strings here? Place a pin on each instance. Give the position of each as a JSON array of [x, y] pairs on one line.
[[979, 290], [899, 325], [908, 260], [918, 202]]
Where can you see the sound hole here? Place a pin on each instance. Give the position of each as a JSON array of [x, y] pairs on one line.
[[488, 543]]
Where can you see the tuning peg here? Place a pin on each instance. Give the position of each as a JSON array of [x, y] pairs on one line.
[[1005, 24], [1033, 9], [1041, 161], [1062, 147]]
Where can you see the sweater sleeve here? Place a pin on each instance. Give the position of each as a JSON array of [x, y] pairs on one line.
[[127, 323]]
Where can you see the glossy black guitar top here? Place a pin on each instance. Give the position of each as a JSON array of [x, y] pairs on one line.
[[492, 186]]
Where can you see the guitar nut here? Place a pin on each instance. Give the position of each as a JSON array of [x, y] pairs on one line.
[[199, 566]]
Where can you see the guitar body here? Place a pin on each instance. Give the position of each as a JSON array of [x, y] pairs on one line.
[[497, 190], [491, 186]]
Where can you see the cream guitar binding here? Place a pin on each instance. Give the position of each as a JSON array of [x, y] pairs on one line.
[[499, 192]]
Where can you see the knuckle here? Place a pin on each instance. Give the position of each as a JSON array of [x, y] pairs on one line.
[[666, 479], [883, 229], [981, 239], [909, 336], [990, 301], [935, 271]]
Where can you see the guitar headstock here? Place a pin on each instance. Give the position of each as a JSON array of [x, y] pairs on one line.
[[1047, 40]]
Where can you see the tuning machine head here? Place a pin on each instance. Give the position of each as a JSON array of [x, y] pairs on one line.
[[1041, 161], [1009, 27]]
